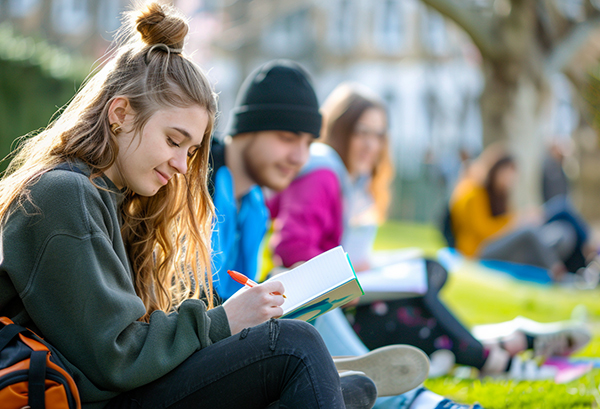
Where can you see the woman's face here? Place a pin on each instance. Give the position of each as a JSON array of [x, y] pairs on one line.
[[506, 177], [367, 141], [147, 163]]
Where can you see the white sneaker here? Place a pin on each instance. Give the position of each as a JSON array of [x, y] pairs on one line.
[[550, 339], [561, 343], [395, 369], [560, 338]]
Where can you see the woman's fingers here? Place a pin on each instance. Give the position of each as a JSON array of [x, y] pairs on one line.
[[276, 312], [275, 287], [253, 306], [278, 299]]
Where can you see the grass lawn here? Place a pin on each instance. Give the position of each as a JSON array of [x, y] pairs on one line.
[[477, 296]]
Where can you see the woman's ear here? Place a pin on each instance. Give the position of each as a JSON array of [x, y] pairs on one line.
[[118, 110]]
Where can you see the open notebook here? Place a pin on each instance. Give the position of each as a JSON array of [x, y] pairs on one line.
[[407, 278], [321, 284]]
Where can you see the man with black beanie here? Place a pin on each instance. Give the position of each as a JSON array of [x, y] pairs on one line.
[[275, 119]]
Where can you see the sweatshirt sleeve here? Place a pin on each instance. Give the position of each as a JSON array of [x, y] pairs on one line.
[[309, 217], [77, 287]]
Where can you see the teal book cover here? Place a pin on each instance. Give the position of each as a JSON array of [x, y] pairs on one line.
[[323, 283]]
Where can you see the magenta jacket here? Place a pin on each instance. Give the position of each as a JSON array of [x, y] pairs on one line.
[[311, 210]]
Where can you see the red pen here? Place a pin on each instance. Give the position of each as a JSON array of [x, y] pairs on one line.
[[242, 279]]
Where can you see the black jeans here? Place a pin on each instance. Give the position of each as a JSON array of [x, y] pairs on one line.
[[280, 360]]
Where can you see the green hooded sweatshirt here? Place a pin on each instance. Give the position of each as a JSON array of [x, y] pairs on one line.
[[64, 272]]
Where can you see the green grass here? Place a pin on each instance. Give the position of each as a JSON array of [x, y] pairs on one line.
[[495, 394], [477, 296], [393, 235]]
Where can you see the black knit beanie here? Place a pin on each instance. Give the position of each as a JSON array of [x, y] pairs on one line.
[[277, 96]]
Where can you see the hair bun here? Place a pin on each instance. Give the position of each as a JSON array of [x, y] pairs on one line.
[[161, 24]]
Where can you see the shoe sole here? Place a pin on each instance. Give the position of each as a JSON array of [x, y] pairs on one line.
[[395, 369]]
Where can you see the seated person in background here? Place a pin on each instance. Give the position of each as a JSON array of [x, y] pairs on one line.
[[554, 179], [484, 226], [337, 199]]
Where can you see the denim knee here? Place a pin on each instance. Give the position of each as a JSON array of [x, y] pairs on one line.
[[300, 330], [303, 336]]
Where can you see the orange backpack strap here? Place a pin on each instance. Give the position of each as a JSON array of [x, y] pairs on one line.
[[6, 321], [41, 371], [8, 333], [28, 337]]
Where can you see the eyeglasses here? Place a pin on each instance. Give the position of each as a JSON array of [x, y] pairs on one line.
[[364, 132]]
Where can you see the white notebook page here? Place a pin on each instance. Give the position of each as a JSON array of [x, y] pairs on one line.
[[317, 276]]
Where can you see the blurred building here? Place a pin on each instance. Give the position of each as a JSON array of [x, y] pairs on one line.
[[426, 69], [79, 26]]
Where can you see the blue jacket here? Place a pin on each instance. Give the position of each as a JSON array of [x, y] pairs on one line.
[[238, 228]]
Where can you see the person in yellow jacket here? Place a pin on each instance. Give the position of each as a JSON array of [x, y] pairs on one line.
[[474, 217], [484, 225]]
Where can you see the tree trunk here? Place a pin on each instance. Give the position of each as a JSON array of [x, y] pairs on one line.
[[514, 111]]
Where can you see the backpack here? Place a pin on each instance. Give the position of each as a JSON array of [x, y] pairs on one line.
[[29, 376]]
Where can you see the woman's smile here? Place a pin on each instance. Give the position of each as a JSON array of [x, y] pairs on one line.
[[164, 179]]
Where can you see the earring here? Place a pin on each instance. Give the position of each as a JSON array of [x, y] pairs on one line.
[[115, 128]]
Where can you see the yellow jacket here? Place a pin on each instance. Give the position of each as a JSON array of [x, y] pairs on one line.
[[471, 216]]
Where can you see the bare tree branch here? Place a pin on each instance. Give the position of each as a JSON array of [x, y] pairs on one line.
[[479, 28], [549, 20], [592, 6], [571, 43]]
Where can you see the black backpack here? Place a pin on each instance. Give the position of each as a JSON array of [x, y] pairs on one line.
[[30, 377]]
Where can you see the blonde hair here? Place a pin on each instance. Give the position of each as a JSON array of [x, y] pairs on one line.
[[148, 69], [341, 111]]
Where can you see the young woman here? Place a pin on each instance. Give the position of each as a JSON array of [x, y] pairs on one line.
[[340, 197], [484, 225], [106, 223]]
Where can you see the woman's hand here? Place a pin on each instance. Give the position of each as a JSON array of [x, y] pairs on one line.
[[252, 306]]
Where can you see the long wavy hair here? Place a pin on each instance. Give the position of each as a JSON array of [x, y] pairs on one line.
[[499, 198], [341, 111], [167, 236], [483, 172]]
